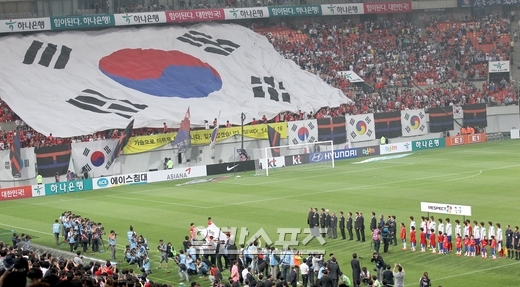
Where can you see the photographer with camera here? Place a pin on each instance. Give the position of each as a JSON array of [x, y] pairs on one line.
[[380, 264], [112, 244], [163, 248]]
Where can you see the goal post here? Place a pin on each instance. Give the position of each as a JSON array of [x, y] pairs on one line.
[[310, 155]]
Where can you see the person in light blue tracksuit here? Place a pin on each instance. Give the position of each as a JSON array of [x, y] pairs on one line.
[[274, 260], [287, 262], [183, 270], [56, 228]]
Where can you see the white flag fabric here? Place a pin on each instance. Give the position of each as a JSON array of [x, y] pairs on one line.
[[94, 157], [458, 112], [361, 128], [301, 132], [413, 123], [212, 230], [28, 159], [88, 81]]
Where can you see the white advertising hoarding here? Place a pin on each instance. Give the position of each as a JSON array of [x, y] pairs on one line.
[[118, 180], [396, 148], [176, 173], [446, 208]]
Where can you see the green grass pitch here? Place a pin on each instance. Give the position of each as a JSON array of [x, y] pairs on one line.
[[483, 176]]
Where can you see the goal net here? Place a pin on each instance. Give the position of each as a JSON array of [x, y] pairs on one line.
[[309, 155]]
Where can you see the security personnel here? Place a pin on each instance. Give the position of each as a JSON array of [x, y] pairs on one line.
[[39, 179], [169, 164], [383, 140]]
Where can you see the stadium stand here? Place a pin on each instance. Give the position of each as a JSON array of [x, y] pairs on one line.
[[408, 67]]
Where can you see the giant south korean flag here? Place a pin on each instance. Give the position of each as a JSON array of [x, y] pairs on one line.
[[361, 128], [94, 157], [80, 82], [413, 123]]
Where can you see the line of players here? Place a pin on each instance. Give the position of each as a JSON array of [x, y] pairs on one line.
[[473, 239]]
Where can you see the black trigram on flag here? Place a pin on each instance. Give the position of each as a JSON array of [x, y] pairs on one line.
[[93, 101], [274, 89], [215, 46], [47, 55]]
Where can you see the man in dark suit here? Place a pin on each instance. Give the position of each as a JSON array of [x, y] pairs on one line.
[[323, 216], [334, 225], [356, 270], [349, 226], [327, 223], [357, 226], [232, 252], [293, 277], [250, 277], [334, 271], [394, 230], [373, 222], [315, 230], [325, 280], [309, 217], [362, 227], [342, 225], [381, 222]]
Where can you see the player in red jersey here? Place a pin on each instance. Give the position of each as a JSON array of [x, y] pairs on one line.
[[483, 246], [445, 243], [193, 232], [493, 247], [422, 237], [458, 244], [472, 244], [413, 241], [433, 242], [403, 235], [440, 239]]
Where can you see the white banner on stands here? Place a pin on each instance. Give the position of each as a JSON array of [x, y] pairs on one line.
[[446, 208], [177, 173]]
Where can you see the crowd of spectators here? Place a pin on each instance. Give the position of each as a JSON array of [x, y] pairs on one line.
[[21, 268], [393, 56], [395, 52]]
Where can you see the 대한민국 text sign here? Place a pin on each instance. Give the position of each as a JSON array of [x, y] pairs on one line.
[[446, 208]]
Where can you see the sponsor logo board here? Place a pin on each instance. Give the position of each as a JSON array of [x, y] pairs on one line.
[[395, 148], [176, 173], [117, 180]]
